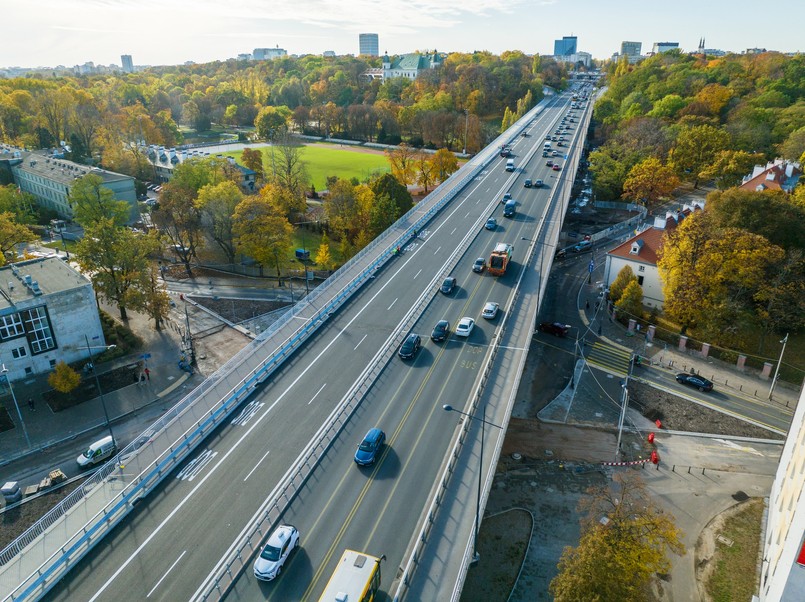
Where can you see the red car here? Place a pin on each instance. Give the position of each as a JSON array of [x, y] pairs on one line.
[[556, 167], [557, 329]]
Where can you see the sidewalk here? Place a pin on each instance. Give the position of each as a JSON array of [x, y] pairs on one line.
[[46, 428]]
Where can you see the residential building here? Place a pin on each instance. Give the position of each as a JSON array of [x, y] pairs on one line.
[[640, 254], [264, 54], [565, 46], [368, 44], [165, 161], [128, 64], [755, 51], [406, 65], [631, 49], [51, 179], [578, 58], [782, 570], [775, 175], [664, 47], [328, 54], [244, 56], [46, 309]]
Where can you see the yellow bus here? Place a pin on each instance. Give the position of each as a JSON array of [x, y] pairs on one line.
[[355, 579]]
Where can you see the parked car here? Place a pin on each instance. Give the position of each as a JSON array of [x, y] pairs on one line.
[[448, 285], [410, 346], [465, 326], [282, 541], [581, 246], [557, 329], [370, 447], [440, 331], [490, 310], [479, 265], [694, 380], [491, 223]]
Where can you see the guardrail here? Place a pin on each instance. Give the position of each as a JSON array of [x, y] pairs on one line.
[[110, 494], [561, 195]]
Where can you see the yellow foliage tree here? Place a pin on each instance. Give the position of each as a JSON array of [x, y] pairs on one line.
[[402, 160], [323, 257], [63, 378], [649, 181]]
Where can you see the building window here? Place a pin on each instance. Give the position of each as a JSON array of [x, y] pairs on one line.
[[37, 328], [29, 370], [19, 352], [52, 363], [641, 268], [640, 280], [11, 326]]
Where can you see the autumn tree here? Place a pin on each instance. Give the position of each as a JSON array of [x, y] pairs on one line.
[[272, 121], [252, 158], [696, 149], [116, 258], [179, 220], [424, 170], [92, 202], [263, 233], [730, 166], [625, 541], [793, 148], [631, 300], [444, 164], [402, 160], [324, 258], [289, 170], [11, 235], [217, 204], [649, 181], [63, 378], [622, 280], [154, 298]]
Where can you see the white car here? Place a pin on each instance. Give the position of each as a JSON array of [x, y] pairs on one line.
[[490, 310], [465, 326], [276, 551]]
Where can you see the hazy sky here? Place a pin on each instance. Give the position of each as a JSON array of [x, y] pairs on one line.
[[69, 32]]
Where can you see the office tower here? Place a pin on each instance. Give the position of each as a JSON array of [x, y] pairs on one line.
[[368, 44], [564, 47], [128, 64]]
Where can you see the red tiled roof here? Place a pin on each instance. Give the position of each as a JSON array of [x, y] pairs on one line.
[[775, 182]]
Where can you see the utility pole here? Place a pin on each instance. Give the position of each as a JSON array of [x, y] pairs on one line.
[[777, 370]]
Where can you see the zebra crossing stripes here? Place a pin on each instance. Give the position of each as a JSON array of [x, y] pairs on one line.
[[609, 358]]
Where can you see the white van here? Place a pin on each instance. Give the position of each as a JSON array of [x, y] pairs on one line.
[[98, 452], [510, 165]]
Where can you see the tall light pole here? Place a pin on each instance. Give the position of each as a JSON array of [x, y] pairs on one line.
[[448, 408], [305, 254], [16, 405], [777, 370], [98, 382], [466, 127]]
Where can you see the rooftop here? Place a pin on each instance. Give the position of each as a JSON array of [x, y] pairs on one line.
[[26, 280], [59, 170]]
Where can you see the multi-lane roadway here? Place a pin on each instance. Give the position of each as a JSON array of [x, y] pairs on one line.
[[173, 542]]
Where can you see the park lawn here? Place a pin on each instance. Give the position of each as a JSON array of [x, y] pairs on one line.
[[323, 160]]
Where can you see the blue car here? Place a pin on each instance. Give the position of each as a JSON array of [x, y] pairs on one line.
[[370, 447]]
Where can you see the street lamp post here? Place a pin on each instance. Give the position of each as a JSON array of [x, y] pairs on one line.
[[98, 382], [777, 370], [305, 253], [16, 405], [448, 408]]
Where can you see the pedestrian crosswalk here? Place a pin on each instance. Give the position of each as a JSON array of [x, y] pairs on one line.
[[609, 358]]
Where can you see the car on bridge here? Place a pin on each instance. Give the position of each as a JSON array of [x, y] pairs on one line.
[[279, 546], [410, 346], [694, 380], [527, 183], [370, 447], [440, 331], [556, 167], [479, 265], [465, 326], [491, 223], [490, 310], [448, 285]]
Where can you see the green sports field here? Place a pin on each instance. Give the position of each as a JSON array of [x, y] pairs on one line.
[[323, 160]]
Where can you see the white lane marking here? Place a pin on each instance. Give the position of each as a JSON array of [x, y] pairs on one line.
[[248, 412], [466, 216], [418, 273], [736, 447], [392, 304], [319, 391], [256, 465], [189, 472], [359, 342], [437, 250], [454, 231], [166, 573]]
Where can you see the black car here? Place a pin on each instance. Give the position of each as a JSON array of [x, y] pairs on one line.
[[440, 331], [557, 329], [410, 346], [694, 380], [370, 447], [448, 285]]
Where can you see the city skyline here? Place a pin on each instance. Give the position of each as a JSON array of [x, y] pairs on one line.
[[74, 32]]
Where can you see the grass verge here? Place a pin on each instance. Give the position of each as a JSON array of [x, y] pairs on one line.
[[735, 566]]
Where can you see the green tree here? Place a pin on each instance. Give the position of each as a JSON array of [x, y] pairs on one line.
[[383, 214], [696, 149], [20, 204], [631, 300], [624, 533], [649, 181], [154, 298], [390, 186], [794, 146], [730, 166], [92, 202], [622, 280], [116, 258], [217, 204], [263, 233], [272, 121], [11, 235], [63, 378]]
